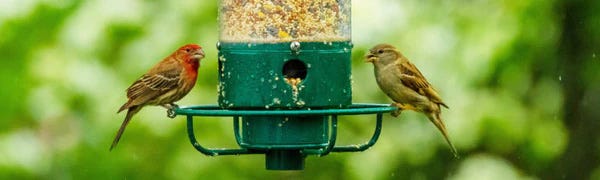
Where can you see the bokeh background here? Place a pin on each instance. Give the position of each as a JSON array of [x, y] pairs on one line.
[[521, 79]]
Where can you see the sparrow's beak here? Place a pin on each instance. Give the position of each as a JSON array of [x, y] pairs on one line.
[[369, 58], [198, 54]]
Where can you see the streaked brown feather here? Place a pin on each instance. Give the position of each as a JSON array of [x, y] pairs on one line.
[[155, 82], [412, 78]]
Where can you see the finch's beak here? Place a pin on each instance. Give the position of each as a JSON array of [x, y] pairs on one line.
[[369, 58], [198, 54]]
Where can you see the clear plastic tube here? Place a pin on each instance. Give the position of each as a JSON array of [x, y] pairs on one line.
[[272, 21]]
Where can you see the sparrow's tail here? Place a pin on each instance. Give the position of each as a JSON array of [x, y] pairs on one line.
[[130, 112], [437, 121]]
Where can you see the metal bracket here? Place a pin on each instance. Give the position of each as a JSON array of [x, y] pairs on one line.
[[378, 109]]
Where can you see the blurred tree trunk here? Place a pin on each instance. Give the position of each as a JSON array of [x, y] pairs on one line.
[[577, 45]]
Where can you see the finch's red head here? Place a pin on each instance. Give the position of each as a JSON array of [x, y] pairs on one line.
[[191, 51]]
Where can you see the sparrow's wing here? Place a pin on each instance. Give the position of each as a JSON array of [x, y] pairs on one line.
[[412, 78], [157, 81]]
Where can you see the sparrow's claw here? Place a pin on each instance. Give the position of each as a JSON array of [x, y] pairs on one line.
[[400, 107], [396, 113]]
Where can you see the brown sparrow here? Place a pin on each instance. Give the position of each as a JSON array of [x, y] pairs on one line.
[[403, 82]]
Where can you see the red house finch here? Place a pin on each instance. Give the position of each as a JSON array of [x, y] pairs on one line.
[[168, 81], [403, 82]]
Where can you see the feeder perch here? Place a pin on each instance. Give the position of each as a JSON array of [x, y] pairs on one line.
[[284, 78]]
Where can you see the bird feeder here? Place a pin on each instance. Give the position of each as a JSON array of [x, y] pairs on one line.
[[284, 78]]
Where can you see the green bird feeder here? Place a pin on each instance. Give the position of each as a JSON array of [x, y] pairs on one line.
[[284, 78]]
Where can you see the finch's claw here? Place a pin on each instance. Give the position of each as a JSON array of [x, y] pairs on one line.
[[171, 107], [171, 110], [171, 113]]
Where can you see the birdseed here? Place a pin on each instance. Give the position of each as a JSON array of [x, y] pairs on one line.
[[284, 20]]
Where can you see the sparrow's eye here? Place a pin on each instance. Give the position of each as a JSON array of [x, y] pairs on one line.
[[380, 51]]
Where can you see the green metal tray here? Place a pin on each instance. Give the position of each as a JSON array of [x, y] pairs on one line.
[[355, 109]]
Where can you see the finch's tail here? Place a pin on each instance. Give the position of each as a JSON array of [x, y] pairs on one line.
[[125, 106], [130, 112], [437, 121]]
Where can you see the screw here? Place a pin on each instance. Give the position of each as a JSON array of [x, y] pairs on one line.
[[295, 47]]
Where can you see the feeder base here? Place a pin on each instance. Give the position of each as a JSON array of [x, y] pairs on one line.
[[284, 160]]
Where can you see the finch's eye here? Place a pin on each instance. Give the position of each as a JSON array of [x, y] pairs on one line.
[[188, 50], [380, 51]]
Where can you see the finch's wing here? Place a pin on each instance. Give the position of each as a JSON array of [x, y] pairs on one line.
[[159, 80], [412, 78]]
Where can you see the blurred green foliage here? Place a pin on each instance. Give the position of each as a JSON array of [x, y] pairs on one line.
[[521, 78]]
